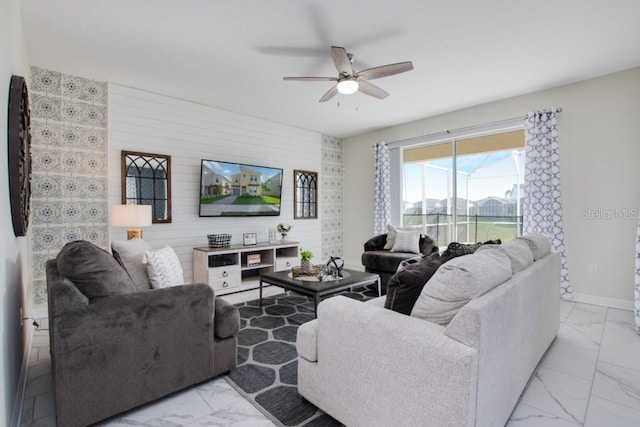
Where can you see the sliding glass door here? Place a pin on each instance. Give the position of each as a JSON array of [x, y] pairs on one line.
[[465, 190]]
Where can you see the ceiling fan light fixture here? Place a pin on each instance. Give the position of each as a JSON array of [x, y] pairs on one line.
[[348, 86]]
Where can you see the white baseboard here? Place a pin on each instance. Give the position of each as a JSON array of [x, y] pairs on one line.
[[603, 301], [16, 416]]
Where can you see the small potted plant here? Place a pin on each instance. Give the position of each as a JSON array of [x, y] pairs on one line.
[[283, 228], [305, 260]]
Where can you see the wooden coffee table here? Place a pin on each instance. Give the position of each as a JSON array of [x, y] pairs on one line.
[[312, 287]]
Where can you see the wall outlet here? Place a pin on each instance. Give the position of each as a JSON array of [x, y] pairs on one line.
[[593, 269]]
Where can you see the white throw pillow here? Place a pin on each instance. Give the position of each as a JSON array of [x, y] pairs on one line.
[[407, 241], [391, 235], [164, 268]]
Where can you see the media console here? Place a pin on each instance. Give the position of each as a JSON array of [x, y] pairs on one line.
[[237, 268]]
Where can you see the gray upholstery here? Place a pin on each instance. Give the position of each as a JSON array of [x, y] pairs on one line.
[[131, 255], [114, 353], [93, 270], [367, 365], [383, 262]]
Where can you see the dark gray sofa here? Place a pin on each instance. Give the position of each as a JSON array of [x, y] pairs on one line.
[[383, 262], [127, 347]]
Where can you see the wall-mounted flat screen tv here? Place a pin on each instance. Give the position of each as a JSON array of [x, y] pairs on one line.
[[235, 189]]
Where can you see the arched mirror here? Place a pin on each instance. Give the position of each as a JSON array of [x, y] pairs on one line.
[[146, 180], [305, 195]]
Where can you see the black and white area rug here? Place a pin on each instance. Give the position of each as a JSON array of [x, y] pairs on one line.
[[267, 371]]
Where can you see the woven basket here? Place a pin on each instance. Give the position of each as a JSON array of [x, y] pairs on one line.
[[219, 240]]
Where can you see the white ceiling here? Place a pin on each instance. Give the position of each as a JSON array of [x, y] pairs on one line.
[[233, 54]]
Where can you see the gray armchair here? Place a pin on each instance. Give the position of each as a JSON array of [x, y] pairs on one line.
[[383, 262], [115, 347]]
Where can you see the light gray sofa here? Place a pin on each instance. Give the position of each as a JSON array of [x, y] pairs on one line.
[[369, 366]]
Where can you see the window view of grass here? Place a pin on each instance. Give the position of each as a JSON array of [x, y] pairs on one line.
[[469, 229], [477, 197]]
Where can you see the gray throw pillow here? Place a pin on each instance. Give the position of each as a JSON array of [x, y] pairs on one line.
[[93, 270], [456, 249], [405, 286], [130, 254]]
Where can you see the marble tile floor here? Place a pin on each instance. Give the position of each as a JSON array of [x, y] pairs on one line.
[[589, 377]]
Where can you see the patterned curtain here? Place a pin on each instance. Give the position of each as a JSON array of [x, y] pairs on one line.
[[542, 196], [636, 292], [382, 195]]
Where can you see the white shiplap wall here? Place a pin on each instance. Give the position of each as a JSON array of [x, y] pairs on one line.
[[189, 132]]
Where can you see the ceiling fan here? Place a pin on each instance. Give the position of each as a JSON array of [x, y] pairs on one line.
[[350, 81]]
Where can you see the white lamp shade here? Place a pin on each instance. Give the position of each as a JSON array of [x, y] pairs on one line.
[[131, 216]]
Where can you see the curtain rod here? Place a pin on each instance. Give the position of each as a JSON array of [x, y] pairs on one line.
[[506, 124]]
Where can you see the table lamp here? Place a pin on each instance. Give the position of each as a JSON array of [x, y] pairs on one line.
[[134, 216]]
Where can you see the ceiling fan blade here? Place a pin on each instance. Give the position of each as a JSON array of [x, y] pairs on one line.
[[330, 94], [372, 90], [341, 59], [386, 70], [312, 79]]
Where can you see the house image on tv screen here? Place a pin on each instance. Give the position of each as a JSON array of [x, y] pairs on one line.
[[233, 189]]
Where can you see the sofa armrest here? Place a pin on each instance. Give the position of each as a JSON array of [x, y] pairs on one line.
[[227, 319], [375, 243], [307, 338], [392, 353], [307, 341]]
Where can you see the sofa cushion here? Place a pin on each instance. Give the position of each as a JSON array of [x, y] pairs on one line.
[[457, 282], [455, 249], [407, 241], [405, 286], [164, 268], [131, 255], [517, 250], [539, 245], [93, 270]]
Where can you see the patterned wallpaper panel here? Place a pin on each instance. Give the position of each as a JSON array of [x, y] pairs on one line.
[[69, 166], [331, 197]]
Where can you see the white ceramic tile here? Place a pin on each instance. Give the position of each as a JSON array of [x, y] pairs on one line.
[[583, 326], [565, 309], [43, 406], [39, 368], [606, 413], [569, 359], [559, 394], [219, 395], [526, 416], [39, 385], [620, 342], [48, 421], [176, 410], [27, 411], [232, 417], [617, 384]]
